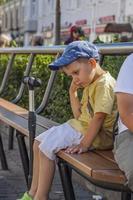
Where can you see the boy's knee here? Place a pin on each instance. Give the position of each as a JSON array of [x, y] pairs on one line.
[[48, 150]]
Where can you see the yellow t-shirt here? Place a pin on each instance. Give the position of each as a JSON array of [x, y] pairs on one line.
[[99, 96]]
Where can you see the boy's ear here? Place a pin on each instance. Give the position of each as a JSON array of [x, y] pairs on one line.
[[93, 62]]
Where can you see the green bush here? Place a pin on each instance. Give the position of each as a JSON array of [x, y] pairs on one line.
[[15, 77], [58, 107], [113, 64]]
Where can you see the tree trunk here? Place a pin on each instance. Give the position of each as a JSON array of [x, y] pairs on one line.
[[57, 22]]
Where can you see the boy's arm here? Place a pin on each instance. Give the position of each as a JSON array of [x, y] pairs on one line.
[[94, 127], [125, 107], [75, 103]]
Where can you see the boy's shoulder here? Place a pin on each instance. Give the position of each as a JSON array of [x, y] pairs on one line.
[[106, 79]]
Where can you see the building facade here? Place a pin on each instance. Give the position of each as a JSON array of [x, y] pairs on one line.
[[12, 15], [19, 19], [25, 18]]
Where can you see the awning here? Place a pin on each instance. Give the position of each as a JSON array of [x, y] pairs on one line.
[[118, 28]]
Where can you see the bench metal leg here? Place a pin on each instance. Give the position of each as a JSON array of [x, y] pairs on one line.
[[23, 154], [2, 156], [125, 196], [65, 174], [11, 138]]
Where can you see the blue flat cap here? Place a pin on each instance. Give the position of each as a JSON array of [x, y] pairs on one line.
[[75, 50]]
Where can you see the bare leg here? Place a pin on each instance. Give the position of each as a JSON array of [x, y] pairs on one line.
[[46, 175], [36, 161]]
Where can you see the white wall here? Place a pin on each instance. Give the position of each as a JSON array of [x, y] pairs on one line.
[[43, 11]]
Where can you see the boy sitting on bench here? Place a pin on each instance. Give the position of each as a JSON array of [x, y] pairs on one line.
[[93, 120]]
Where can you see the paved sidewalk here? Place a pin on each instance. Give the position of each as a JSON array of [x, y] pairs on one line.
[[12, 183]]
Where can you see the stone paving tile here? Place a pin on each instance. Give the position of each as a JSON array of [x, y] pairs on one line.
[[12, 182]]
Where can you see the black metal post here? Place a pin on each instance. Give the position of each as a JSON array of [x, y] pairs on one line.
[[2, 156], [32, 129], [57, 22], [126, 196], [65, 174], [23, 154], [11, 136], [32, 83]]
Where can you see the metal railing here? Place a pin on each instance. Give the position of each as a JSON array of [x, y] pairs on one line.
[[104, 50], [111, 48]]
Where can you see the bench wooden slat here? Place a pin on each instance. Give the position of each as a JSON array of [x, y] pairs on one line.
[[95, 166], [14, 120], [42, 121], [110, 176], [17, 122], [45, 122], [12, 107], [108, 154], [88, 161]]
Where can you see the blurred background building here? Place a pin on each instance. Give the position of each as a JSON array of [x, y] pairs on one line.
[[24, 19]]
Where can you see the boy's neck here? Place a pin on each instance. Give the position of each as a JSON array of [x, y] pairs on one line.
[[99, 72]]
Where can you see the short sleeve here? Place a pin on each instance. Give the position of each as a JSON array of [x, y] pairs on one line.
[[125, 78], [104, 99]]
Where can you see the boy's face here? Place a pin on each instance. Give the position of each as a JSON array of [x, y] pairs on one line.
[[82, 71]]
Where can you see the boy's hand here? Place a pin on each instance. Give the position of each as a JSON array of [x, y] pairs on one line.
[[73, 87], [77, 149], [74, 100]]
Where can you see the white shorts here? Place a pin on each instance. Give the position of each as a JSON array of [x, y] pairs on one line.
[[57, 138]]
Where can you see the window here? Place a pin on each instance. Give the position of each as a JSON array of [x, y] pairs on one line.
[[17, 18], [23, 14], [52, 4], [33, 9], [71, 4], [6, 20], [11, 20], [78, 3]]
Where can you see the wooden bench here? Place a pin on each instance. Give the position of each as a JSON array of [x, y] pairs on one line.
[[98, 167]]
